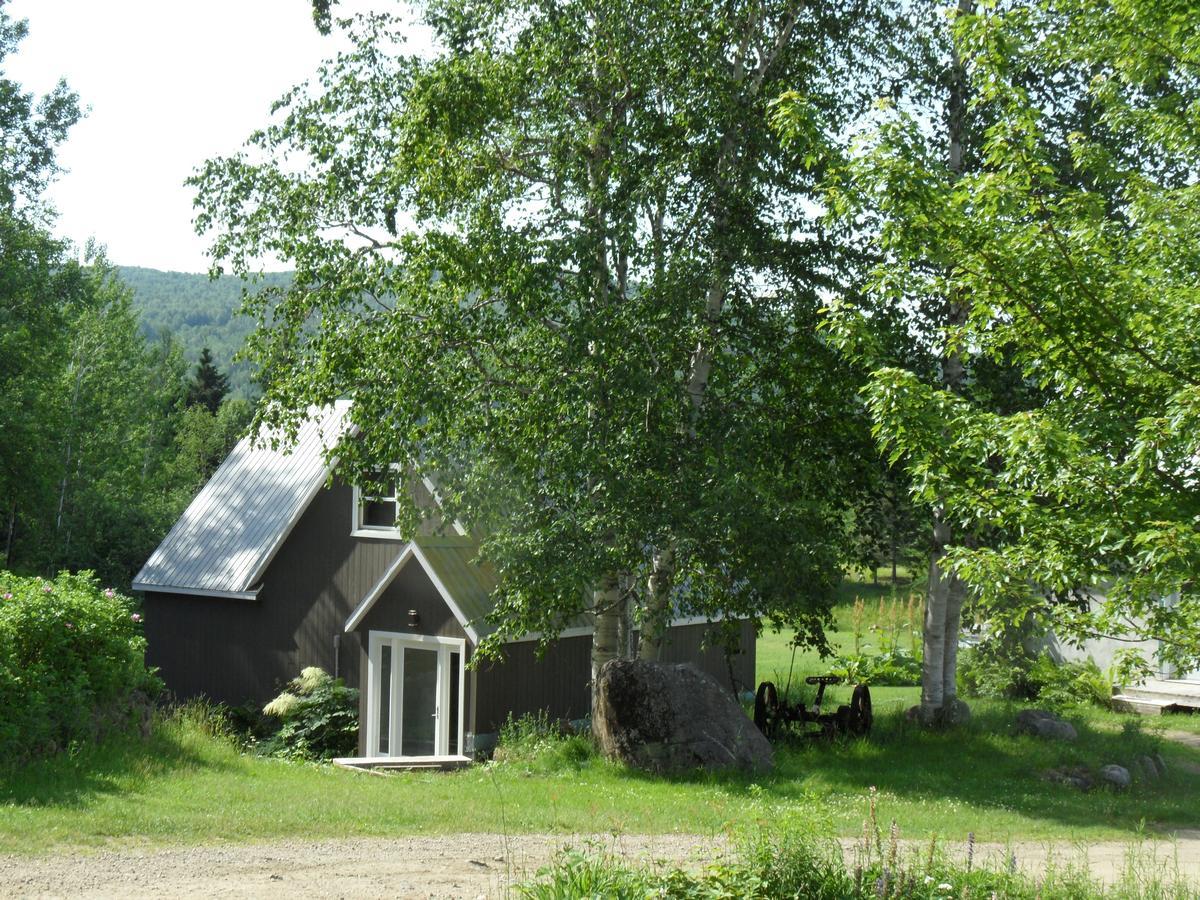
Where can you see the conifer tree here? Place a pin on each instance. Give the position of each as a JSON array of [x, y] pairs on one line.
[[209, 385]]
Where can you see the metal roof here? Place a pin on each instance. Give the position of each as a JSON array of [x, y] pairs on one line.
[[230, 532]]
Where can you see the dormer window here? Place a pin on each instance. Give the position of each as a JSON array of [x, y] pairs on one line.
[[375, 506]]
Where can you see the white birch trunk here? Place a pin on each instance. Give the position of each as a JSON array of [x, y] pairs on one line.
[[933, 665], [656, 617], [606, 611]]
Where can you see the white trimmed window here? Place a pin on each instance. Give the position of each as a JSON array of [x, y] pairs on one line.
[[376, 507]]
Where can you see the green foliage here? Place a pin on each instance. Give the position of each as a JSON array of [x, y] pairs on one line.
[[1004, 669], [1068, 239], [318, 718], [197, 312], [598, 332], [72, 664], [534, 743], [208, 386], [32, 129], [895, 668]]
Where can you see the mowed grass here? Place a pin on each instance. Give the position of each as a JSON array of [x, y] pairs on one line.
[[185, 785]]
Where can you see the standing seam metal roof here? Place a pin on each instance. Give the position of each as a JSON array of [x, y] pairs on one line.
[[229, 533]]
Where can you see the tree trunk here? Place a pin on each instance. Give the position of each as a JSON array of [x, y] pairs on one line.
[[606, 611], [943, 612], [8, 542], [954, 606], [933, 665], [657, 615]]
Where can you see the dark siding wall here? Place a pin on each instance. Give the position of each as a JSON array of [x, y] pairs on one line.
[[239, 650], [686, 643], [559, 682], [522, 683]]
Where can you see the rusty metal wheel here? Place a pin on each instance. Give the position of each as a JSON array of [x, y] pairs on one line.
[[861, 717], [766, 709]]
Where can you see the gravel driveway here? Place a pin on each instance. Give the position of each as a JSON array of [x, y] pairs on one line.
[[462, 865]]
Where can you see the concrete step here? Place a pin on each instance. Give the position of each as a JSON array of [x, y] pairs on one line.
[[402, 764], [1139, 705], [1170, 693]]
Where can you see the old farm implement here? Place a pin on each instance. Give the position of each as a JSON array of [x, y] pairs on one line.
[[774, 716]]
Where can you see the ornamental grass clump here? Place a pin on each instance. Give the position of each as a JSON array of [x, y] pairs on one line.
[[318, 718], [72, 664]]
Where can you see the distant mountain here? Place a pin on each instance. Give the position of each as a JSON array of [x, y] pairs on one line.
[[200, 312]]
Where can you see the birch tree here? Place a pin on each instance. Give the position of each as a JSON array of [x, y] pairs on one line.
[[563, 264], [913, 308], [1076, 239]]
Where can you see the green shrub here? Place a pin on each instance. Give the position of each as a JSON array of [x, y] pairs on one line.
[[1007, 671], [72, 664], [541, 744], [318, 718]]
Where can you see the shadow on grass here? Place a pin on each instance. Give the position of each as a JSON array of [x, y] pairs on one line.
[[121, 764], [985, 765]]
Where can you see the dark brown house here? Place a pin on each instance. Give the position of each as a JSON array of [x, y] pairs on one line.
[[278, 564]]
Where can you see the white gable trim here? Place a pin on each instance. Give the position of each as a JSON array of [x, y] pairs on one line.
[[411, 551], [144, 587], [437, 498]]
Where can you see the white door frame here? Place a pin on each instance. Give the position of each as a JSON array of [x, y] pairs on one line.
[[398, 641]]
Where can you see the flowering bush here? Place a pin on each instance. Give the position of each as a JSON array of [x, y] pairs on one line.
[[72, 664], [318, 718]]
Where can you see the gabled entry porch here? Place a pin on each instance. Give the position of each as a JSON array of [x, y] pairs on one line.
[[415, 699]]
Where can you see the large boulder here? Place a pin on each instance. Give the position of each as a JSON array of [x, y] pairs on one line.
[[667, 718]]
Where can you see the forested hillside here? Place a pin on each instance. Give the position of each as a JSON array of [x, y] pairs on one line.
[[200, 312]]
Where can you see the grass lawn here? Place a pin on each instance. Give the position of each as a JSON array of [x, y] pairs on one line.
[[184, 785]]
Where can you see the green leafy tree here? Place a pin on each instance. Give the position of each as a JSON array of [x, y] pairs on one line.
[[564, 266], [1073, 237]]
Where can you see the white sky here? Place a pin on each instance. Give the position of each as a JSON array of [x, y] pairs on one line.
[[169, 84]]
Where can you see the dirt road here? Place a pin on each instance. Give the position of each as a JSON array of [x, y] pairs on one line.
[[464, 865]]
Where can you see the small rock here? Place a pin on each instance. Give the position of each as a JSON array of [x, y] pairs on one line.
[[1043, 724], [1161, 763], [1118, 776], [1148, 767], [1077, 777]]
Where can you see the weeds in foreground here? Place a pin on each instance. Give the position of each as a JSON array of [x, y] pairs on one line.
[[538, 744], [795, 856]]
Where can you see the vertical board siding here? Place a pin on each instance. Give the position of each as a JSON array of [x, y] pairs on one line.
[[238, 651], [557, 683]]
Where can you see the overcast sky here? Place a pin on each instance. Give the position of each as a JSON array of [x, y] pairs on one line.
[[169, 84]]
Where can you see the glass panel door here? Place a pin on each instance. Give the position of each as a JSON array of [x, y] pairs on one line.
[[418, 729], [385, 698]]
